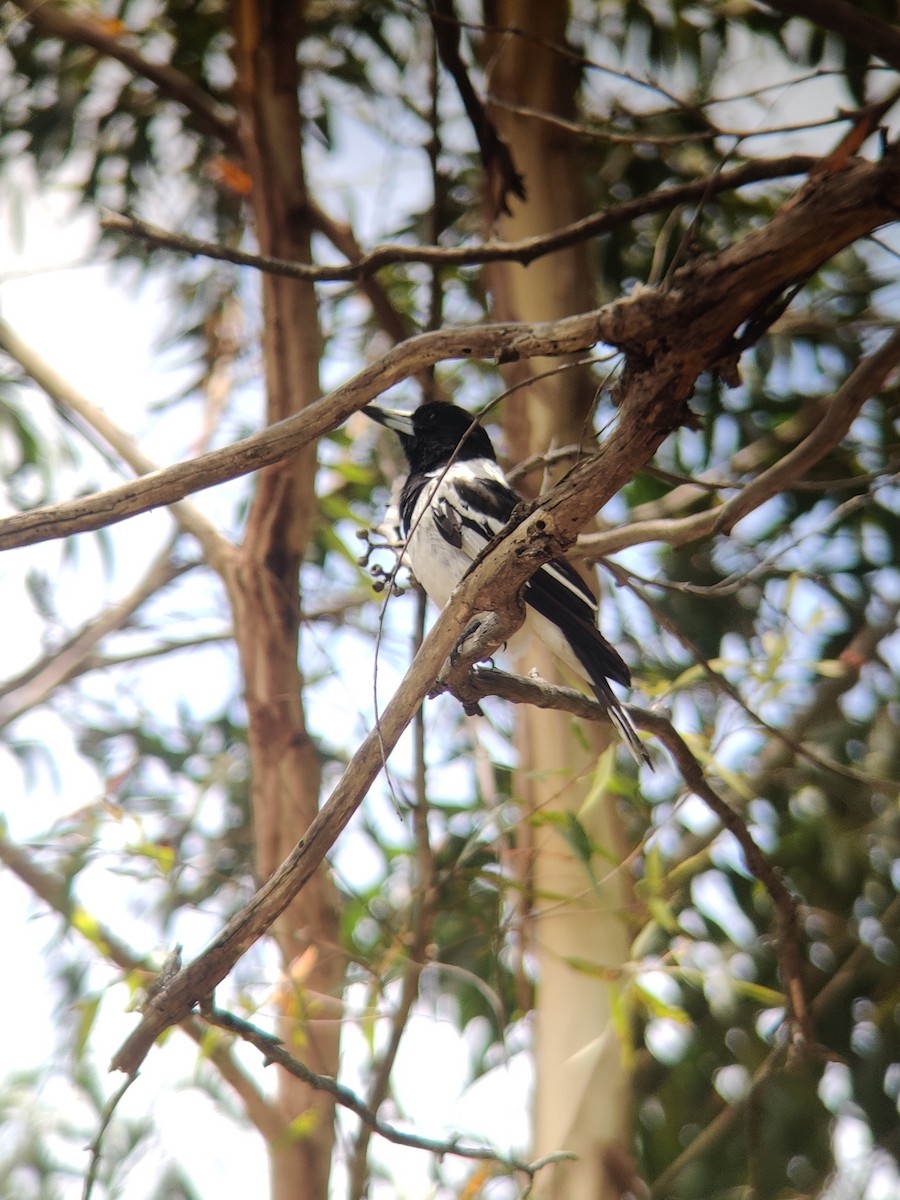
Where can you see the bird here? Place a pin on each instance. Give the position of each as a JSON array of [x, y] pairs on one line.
[[454, 500]]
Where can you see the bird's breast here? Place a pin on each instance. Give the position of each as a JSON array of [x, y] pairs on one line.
[[449, 520], [436, 564]]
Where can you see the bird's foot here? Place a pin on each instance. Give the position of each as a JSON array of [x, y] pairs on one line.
[[478, 641]]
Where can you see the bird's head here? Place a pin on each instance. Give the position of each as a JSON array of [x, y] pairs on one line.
[[434, 432]]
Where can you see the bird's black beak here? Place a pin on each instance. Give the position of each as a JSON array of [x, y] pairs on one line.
[[391, 418]]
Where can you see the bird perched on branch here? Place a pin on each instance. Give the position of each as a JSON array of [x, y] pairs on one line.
[[454, 501]]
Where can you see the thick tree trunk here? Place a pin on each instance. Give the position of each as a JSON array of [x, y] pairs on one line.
[[581, 1101], [264, 590]]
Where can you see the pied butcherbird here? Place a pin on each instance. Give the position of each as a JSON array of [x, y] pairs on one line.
[[454, 501]]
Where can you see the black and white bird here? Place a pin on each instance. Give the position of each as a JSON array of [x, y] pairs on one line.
[[455, 499]]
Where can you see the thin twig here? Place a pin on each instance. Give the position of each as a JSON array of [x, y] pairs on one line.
[[795, 746], [479, 684], [599, 129], [273, 1051], [61, 392], [107, 1115], [836, 417]]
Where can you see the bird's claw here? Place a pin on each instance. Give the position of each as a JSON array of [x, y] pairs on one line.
[[478, 640]]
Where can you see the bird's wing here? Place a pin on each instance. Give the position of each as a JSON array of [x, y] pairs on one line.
[[472, 511], [478, 511], [559, 593]]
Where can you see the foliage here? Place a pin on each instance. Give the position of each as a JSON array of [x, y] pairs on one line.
[[772, 645]]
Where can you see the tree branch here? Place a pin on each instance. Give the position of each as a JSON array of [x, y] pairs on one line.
[[524, 251], [834, 420], [720, 681], [867, 379], [276, 442], [198, 979], [190, 520], [480, 684], [497, 162], [274, 1052], [670, 336]]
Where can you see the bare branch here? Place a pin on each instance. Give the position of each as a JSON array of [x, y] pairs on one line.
[[56, 893], [279, 441], [63, 394], [96, 1145], [531, 691], [671, 335], [273, 1051], [524, 251], [835, 419], [396, 324], [599, 130], [789, 945], [867, 379], [719, 680], [198, 979]]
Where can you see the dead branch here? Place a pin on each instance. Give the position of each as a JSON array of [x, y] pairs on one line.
[[833, 419], [480, 684], [669, 335], [524, 251], [60, 391]]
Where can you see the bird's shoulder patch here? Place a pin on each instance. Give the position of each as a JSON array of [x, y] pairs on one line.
[[490, 498], [448, 521]]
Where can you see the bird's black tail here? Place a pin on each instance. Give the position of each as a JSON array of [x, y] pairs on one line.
[[620, 719], [601, 662]]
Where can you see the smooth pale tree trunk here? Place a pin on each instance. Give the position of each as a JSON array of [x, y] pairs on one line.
[[582, 1094], [263, 588]]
